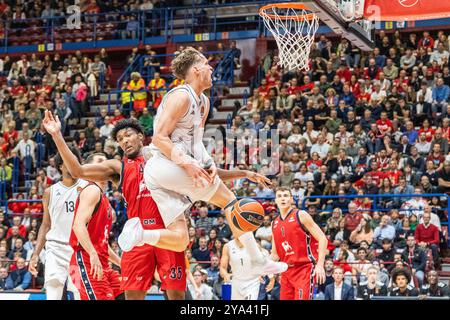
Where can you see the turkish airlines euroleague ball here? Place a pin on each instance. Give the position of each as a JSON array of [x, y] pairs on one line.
[[247, 215]]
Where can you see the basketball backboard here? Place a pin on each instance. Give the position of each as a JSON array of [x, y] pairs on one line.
[[356, 29]]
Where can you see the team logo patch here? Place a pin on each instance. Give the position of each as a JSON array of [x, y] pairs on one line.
[[79, 189]]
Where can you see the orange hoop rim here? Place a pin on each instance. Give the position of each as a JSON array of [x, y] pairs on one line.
[[287, 5]]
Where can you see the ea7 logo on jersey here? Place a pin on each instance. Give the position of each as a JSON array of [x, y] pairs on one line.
[[287, 248], [291, 219]]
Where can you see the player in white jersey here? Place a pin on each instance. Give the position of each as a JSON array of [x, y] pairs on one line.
[[59, 205], [244, 284], [181, 171]]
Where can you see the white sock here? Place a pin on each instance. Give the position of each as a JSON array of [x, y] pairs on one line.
[[151, 237], [249, 242]]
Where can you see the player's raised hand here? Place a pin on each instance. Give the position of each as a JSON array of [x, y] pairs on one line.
[[258, 178], [51, 124], [96, 267], [319, 273], [32, 267]]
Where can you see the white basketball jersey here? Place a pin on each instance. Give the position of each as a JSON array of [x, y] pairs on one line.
[[61, 208], [240, 262], [188, 132]]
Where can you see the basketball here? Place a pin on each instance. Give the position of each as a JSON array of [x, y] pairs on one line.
[[247, 215]]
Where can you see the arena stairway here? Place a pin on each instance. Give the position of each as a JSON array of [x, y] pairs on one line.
[[227, 101]]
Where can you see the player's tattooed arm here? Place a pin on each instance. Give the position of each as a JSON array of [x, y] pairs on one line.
[[43, 230]]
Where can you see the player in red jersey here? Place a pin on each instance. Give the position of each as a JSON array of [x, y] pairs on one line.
[[89, 268], [298, 241], [140, 263]]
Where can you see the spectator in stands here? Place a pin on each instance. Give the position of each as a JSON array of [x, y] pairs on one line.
[[443, 176], [205, 291], [401, 278], [157, 86], [339, 290], [213, 271], [434, 288], [131, 29], [386, 257], [202, 253], [4, 260], [204, 222], [384, 231], [416, 258], [363, 232], [264, 233], [372, 287], [440, 95], [360, 268], [19, 279], [223, 229], [403, 188], [139, 96], [17, 221], [329, 267], [3, 278], [106, 129], [427, 237], [352, 218], [18, 248]]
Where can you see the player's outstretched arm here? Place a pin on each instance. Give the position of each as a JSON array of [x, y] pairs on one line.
[[43, 230], [88, 199], [105, 171], [318, 234], [228, 175], [274, 254]]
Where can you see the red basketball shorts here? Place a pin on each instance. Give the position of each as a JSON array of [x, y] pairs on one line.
[[297, 283], [139, 265], [108, 288]]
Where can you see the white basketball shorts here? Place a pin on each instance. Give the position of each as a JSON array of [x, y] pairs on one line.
[[57, 261], [173, 189], [245, 290]]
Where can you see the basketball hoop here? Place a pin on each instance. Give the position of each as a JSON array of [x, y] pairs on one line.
[[293, 27]]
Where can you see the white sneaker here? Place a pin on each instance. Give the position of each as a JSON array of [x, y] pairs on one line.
[[131, 235], [269, 267]]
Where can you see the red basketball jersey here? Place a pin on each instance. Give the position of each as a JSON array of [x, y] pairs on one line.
[[139, 201], [294, 244], [98, 228]]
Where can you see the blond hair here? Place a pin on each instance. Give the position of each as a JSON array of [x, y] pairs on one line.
[[184, 61]]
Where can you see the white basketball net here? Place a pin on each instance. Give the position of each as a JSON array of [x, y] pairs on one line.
[[293, 33]]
